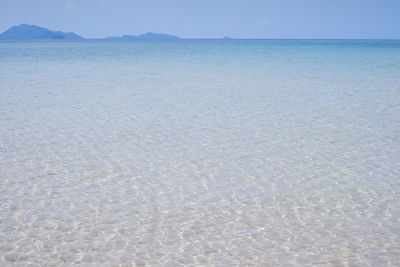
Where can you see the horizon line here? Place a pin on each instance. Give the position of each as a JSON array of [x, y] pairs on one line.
[[212, 38], [226, 37]]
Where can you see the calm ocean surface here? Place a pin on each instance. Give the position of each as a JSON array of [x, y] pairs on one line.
[[200, 152]]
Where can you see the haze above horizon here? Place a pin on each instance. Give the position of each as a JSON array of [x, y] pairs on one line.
[[315, 19]]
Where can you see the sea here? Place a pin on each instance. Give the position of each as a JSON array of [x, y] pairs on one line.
[[200, 152]]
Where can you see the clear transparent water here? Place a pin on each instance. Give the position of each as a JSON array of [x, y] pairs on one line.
[[200, 152]]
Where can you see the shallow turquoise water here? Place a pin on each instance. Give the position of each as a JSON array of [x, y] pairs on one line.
[[203, 152]]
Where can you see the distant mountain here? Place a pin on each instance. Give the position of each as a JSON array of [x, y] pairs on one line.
[[69, 35], [122, 37], [149, 35], [25, 31]]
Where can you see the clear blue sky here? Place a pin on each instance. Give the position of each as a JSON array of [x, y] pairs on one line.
[[210, 18]]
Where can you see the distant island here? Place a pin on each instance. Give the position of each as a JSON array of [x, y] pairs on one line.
[[28, 32], [25, 31], [149, 35]]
